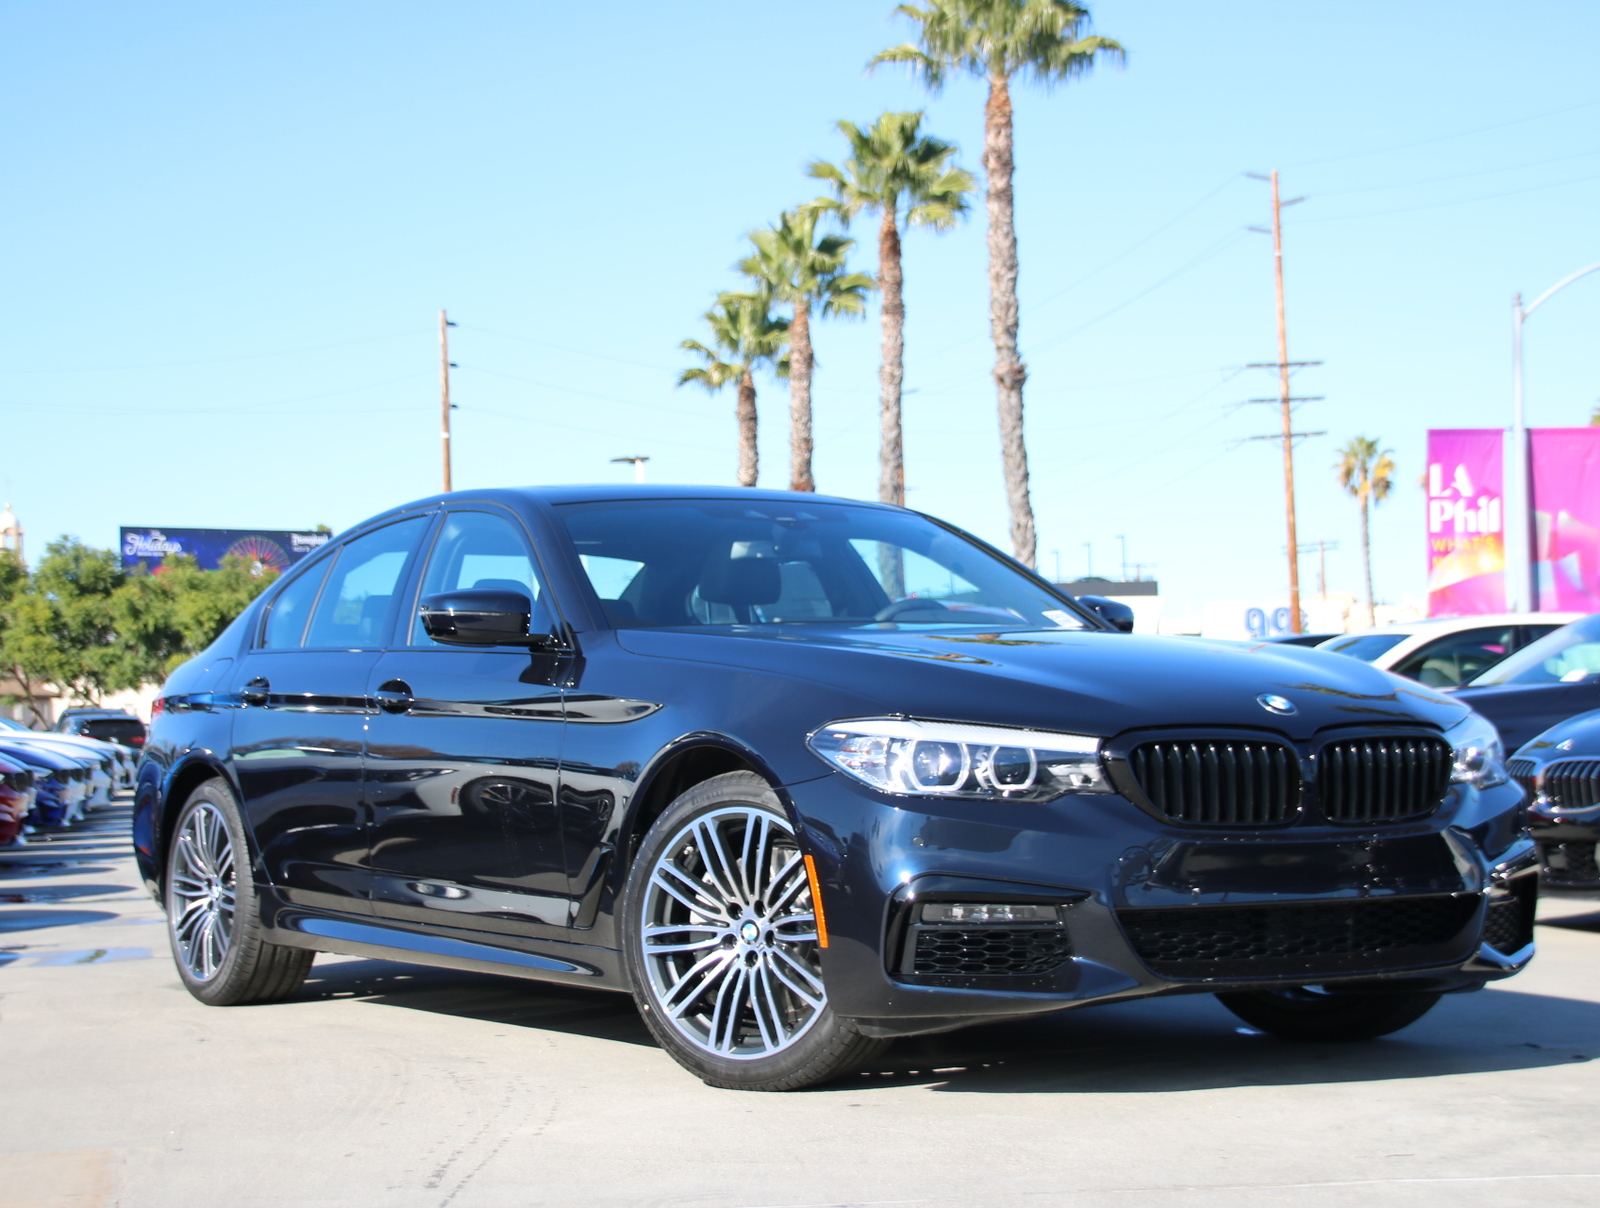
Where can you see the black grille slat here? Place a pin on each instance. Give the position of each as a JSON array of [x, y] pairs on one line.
[[1218, 781], [1572, 784], [1383, 779], [1210, 941], [989, 951], [1522, 771]]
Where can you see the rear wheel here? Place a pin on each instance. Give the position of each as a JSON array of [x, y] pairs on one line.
[[1314, 1013], [721, 943], [213, 916]]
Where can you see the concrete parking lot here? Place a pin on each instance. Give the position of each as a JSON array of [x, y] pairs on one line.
[[395, 1086]]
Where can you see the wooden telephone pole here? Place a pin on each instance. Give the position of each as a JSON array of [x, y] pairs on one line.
[[1285, 400], [445, 366]]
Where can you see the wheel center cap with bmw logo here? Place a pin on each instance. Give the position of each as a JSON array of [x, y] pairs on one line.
[[1273, 703], [749, 933]]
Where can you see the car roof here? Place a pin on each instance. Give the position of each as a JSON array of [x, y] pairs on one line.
[[618, 492], [1443, 624]]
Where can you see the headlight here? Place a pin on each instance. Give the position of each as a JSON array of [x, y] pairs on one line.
[[947, 759], [1480, 759]]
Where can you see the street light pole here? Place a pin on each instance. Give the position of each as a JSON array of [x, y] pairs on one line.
[[1522, 593]]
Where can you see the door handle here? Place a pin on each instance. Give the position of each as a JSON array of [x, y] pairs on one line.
[[255, 692], [394, 696]]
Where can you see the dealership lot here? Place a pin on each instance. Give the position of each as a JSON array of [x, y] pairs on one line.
[[396, 1086]]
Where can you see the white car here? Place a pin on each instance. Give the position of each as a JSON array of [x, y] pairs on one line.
[[1445, 652]]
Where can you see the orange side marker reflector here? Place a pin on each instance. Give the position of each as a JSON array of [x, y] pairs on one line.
[[816, 902]]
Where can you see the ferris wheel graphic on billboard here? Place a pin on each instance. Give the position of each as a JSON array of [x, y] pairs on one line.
[[263, 553]]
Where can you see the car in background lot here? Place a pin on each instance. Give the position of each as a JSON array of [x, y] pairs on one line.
[[1445, 652], [1541, 685], [118, 762], [1560, 769], [108, 725]]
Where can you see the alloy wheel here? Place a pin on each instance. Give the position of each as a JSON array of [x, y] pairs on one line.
[[729, 935], [202, 891]]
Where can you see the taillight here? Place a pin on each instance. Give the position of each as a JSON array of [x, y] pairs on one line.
[[158, 707], [136, 740]]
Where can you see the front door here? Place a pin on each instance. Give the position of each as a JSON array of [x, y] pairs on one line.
[[462, 758], [302, 718]]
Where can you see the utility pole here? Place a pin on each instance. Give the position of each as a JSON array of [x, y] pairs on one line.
[[1124, 540], [445, 407], [1285, 400], [1088, 559], [636, 462]]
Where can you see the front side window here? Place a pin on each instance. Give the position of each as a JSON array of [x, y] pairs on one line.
[[357, 605], [484, 551], [1570, 655], [704, 562], [286, 623]]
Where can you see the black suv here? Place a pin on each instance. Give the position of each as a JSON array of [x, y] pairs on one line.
[[108, 725], [802, 775]]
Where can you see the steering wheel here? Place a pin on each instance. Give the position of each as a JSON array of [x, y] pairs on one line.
[[900, 608]]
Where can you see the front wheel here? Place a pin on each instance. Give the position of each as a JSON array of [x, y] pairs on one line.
[[1314, 1013], [213, 920], [721, 944]]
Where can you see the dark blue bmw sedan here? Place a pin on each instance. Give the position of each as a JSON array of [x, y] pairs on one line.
[[803, 775]]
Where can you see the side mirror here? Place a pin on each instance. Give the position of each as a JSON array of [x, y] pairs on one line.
[[482, 617], [1115, 611]]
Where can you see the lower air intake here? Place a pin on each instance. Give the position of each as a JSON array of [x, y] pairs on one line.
[[1305, 938], [1570, 863], [989, 951]]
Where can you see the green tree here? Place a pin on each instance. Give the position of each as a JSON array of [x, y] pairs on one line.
[[749, 335], [796, 265], [59, 626], [997, 40], [905, 177], [1366, 472]]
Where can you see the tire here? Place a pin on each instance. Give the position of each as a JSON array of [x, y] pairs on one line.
[[1312, 1013], [730, 981], [213, 914]]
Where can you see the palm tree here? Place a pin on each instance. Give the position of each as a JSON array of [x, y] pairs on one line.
[[996, 40], [1366, 472], [745, 331], [797, 266], [904, 176]]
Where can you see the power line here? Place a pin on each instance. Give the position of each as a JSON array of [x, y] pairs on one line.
[[1434, 180], [1442, 138], [599, 356], [1436, 205], [605, 398], [247, 356]]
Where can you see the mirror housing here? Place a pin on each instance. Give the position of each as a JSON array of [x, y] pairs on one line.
[[482, 617], [1118, 614]]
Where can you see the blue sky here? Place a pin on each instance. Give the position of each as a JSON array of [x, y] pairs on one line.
[[229, 228]]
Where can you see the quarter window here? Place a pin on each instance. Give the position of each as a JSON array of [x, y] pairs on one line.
[[286, 623]]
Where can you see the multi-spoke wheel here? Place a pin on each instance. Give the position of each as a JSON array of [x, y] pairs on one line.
[[212, 912], [723, 944], [201, 891]]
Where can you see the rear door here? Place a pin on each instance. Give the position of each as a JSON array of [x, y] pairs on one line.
[[462, 760], [301, 724]]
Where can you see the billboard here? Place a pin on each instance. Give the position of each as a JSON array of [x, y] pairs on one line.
[[1566, 518], [1466, 522], [266, 549]]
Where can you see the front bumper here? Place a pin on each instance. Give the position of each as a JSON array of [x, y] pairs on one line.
[[1147, 908]]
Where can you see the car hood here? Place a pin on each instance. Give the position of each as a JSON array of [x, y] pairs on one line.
[[1085, 681]]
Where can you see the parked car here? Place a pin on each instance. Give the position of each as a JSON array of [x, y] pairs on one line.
[[123, 760], [61, 780], [803, 775], [1445, 652], [16, 799], [1542, 685], [108, 725], [1560, 769]]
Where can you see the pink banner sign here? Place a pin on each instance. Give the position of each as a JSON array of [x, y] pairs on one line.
[[1566, 516], [1466, 522]]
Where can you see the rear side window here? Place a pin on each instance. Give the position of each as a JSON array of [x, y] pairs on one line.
[[113, 728], [286, 623], [357, 605], [1449, 661]]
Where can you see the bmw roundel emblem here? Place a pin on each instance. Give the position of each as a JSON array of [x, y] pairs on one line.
[[1273, 703]]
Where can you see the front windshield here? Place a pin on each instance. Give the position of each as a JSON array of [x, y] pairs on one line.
[[699, 562], [1366, 646], [1570, 655]]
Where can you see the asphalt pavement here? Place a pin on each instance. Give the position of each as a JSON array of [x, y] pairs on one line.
[[386, 1085]]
